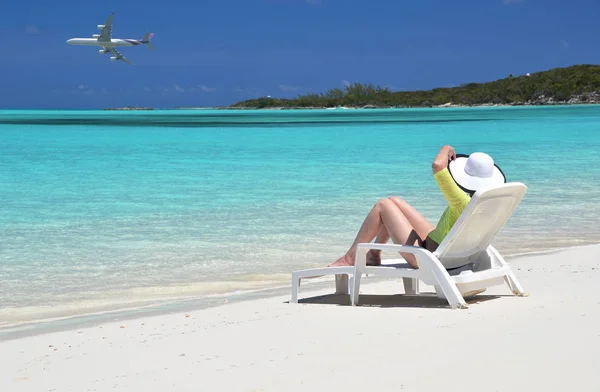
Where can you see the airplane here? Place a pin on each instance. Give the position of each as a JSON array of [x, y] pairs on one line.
[[109, 44]]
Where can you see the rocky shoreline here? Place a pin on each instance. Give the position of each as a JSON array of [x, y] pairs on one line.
[[549, 102], [592, 98]]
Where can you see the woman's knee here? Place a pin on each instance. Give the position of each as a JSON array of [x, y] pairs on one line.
[[384, 203], [398, 201]]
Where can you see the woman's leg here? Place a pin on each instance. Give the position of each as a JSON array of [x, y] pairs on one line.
[[386, 214], [421, 225], [374, 256]]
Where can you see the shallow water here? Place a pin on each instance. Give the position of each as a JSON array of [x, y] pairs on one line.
[[103, 210]]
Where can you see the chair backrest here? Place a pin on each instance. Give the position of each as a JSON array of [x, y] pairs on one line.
[[487, 212]]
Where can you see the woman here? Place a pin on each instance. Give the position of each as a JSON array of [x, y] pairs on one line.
[[457, 177]]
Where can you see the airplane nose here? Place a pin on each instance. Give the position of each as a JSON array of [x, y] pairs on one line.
[[69, 40]]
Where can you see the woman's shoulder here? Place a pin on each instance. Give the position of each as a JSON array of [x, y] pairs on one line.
[[455, 196]]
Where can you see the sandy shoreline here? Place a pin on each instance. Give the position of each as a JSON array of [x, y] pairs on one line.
[[548, 341], [45, 323]]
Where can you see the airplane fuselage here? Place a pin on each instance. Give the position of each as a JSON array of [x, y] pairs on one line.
[[113, 43], [108, 44]]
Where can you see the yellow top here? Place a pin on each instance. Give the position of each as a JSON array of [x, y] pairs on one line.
[[457, 201]]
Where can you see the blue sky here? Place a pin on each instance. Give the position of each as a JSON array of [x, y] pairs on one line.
[[221, 51]]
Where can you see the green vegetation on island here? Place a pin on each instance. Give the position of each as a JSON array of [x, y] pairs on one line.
[[576, 84]]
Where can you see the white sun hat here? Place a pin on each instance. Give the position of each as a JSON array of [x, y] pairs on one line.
[[475, 171]]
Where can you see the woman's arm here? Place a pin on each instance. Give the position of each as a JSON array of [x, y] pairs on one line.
[[441, 160], [454, 195]]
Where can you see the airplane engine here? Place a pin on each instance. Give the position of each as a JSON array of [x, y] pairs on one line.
[[113, 58], [100, 27], [102, 51], [95, 35]]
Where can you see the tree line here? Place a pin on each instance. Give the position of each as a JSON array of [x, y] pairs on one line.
[[577, 84]]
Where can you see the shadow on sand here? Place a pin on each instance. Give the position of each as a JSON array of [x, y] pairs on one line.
[[423, 300]]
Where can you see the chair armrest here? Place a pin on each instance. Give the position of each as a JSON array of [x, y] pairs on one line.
[[393, 247], [430, 267]]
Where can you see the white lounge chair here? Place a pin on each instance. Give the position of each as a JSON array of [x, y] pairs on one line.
[[463, 264]]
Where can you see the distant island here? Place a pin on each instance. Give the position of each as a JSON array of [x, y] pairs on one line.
[[577, 84], [131, 108]]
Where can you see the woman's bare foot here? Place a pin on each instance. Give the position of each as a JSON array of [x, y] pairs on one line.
[[374, 257], [344, 261]]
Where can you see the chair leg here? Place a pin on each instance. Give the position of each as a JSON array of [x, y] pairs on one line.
[[452, 295], [514, 285], [510, 278], [355, 289], [411, 285], [446, 289], [341, 284], [439, 292], [295, 285]]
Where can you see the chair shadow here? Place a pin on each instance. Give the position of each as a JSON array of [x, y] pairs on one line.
[[422, 300]]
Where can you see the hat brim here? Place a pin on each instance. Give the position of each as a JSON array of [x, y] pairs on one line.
[[469, 183]]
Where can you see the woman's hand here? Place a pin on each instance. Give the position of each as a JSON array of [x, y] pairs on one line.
[[440, 162], [451, 153]]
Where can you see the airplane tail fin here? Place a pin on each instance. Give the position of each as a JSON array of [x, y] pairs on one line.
[[146, 40]]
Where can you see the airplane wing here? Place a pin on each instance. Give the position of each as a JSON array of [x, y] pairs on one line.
[[106, 33], [118, 55]]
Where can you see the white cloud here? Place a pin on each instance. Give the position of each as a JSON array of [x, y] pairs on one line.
[[207, 89], [507, 2], [293, 89], [31, 30], [346, 83], [563, 43], [179, 89], [248, 91], [82, 89]]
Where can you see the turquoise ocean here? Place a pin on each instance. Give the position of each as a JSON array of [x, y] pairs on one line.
[[109, 210]]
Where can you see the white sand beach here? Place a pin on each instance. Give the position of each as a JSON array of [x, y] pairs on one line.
[[549, 341]]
